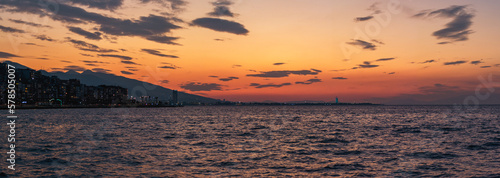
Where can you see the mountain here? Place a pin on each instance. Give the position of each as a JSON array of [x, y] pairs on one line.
[[135, 88]]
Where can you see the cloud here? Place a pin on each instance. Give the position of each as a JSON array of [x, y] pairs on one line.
[[158, 53], [29, 23], [65, 61], [385, 59], [116, 56], [163, 81], [456, 30], [428, 61], [279, 63], [437, 88], [363, 44], [367, 64], [213, 76], [310, 81], [126, 72], [82, 45], [10, 30], [169, 66], [476, 62], [271, 85], [377, 41], [163, 39], [485, 66], [360, 19], [100, 4], [228, 79], [455, 62], [43, 38], [175, 6], [150, 27], [221, 25], [236, 65], [285, 73], [43, 58], [339, 78], [75, 68], [7, 55], [101, 70], [86, 34], [390, 73], [129, 62], [32, 44], [197, 86]]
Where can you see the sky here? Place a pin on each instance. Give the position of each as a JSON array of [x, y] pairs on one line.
[[391, 52]]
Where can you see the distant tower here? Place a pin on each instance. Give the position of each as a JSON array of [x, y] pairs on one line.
[[336, 100], [175, 99]]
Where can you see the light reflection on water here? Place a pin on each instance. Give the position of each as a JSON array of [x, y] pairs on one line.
[[259, 141]]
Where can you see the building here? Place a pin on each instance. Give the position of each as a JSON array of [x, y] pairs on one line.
[[175, 97]]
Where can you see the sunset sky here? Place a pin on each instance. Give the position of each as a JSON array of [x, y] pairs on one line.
[[398, 51]]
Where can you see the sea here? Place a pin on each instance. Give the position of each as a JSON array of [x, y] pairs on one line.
[[257, 141]]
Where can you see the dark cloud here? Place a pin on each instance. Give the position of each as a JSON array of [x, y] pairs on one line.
[[158, 53], [163, 39], [218, 39], [94, 62], [367, 64], [175, 5], [284, 73], [100, 4], [390, 73], [428, 61], [7, 55], [278, 63], [43, 58], [377, 41], [82, 45], [29, 23], [169, 66], [485, 66], [455, 62], [10, 30], [101, 70], [236, 65], [339, 78], [310, 81], [437, 88], [456, 30], [150, 27], [65, 61], [385, 59], [476, 62], [221, 11], [32, 44], [363, 44], [88, 55], [271, 85], [86, 34], [116, 56], [197, 86], [360, 19], [228, 79], [221, 25], [75, 68], [129, 62], [43, 38], [126, 72], [213, 76], [89, 64]]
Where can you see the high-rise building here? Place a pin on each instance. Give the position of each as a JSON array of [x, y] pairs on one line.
[[175, 99], [336, 100]]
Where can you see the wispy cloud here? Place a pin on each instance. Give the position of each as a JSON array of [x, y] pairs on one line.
[[456, 30], [10, 29], [86, 34], [271, 85], [363, 44], [285, 73], [455, 63], [158, 53], [197, 86]]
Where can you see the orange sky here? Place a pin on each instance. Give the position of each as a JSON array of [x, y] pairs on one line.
[[393, 46]]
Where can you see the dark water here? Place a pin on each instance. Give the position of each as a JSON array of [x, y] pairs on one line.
[[277, 141]]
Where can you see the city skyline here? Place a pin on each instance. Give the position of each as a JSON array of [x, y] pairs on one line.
[[383, 52]]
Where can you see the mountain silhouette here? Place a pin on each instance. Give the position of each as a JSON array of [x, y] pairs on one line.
[[135, 88]]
